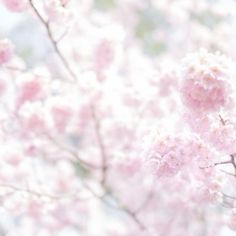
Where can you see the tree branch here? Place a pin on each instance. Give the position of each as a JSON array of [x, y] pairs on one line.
[[53, 41], [100, 144]]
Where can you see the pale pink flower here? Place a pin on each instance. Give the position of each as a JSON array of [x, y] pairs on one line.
[[167, 82], [61, 116], [206, 82], [231, 220], [33, 124], [6, 51], [55, 11], [3, 87], [64, 2], [172, 154], [222, 137], [199, 123], [15, 5], [29, 91], [103, 55], [129, 167], [168, 156]]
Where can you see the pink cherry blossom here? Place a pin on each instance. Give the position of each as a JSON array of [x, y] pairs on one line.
[[231, 219], [15, 5], [61, 117], [169, 155], [6, 51], [113, 121], [29, 90], [103, 55], [206, 82]]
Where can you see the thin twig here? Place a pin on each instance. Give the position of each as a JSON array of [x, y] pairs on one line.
[[100, 144], [145, 202], [133, 215], [38, 194], [227, 173], [223, 122], [233, 162], [53, 41], [228, 196], [119, 206], [217, 163], [25, 70], [73, 153]]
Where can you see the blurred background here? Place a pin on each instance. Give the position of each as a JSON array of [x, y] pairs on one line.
[[162, 31]]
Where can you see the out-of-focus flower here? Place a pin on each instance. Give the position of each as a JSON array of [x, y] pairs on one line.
[[6, 51], [15, 5], [206, 81], [231, 220]]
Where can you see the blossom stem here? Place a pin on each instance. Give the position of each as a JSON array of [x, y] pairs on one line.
[[101, 145], [53, 41]]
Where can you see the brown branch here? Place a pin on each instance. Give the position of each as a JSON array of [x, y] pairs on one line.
[[223, 122], [227, 173], [135, 218], [53, 41], [233, 162], [217, 163], [228, 196], [39, 194], [73, 153], [101, 145], [145, 202], [119, 206]]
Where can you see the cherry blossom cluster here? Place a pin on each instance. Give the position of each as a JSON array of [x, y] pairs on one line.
[[123, 124]]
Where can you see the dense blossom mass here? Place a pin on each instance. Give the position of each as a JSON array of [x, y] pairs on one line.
[[117, 118], [207, 82]]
